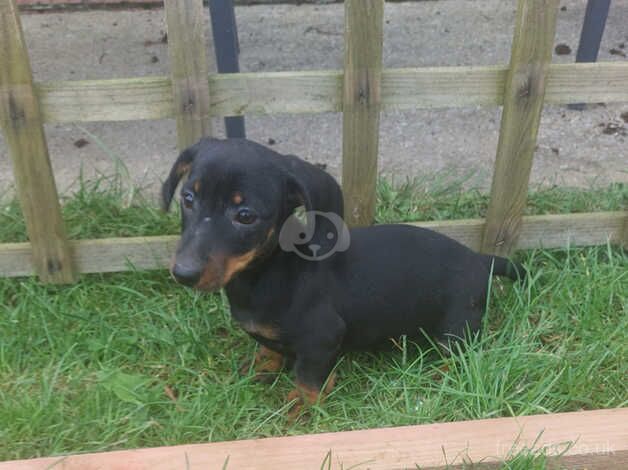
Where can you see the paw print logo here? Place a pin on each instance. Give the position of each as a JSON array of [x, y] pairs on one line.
[[322, 235]]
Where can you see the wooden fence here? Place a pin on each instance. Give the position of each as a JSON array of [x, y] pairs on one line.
[[361, 91]]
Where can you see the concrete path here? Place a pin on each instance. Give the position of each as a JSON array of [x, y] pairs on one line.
[[575, 148]]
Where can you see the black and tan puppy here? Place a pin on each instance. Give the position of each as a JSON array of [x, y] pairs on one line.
[[307, 291]]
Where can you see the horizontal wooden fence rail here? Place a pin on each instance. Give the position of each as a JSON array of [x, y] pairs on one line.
[[321, 91], [123, 254], [584, 439]]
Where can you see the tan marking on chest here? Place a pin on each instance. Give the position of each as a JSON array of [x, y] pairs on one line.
[[236, 264]]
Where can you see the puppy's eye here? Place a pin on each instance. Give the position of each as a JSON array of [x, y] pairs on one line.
[[188, 199], [245, 216]]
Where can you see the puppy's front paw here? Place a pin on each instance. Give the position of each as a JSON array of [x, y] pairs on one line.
[[303, 396], [296, 407], [266, 365]]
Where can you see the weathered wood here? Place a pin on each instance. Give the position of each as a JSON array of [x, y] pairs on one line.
[[523, 102], [122, 254], [185, 20], [321, 92], [276, 92], [21, 122], [119, 99], [585, 439], [97, 256], [542, 231], [364, 36], [561, 231], [602, 82]]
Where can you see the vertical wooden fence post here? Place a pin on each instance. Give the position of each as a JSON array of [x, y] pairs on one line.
[[361, 105], [523, 103], [20, 119], [187, 52]]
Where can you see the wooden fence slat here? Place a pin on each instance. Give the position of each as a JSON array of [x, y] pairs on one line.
[[118, 99], [602, 82], [523, 102], [21, 122], [542, 231], [102, 255], [188, 68], [584, 439], [123, 254], [364, 35], [128, 99]]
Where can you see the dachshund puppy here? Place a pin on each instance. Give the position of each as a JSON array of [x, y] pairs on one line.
[[307, 288]]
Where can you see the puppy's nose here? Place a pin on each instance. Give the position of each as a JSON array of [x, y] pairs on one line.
[[186, 275]]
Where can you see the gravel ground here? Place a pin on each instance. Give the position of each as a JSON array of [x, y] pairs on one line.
[[575, 148]]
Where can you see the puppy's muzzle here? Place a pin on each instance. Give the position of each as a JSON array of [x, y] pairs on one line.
[[186, 275]]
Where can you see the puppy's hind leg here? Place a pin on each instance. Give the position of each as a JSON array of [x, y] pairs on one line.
[[461, 320]]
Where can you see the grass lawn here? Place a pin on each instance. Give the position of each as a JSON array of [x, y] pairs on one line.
[[132, 360]]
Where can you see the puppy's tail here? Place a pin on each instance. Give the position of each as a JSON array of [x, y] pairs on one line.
[[505, 267]]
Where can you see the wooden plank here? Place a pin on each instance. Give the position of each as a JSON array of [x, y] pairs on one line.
[[439, 87], [185, 20], [523, 102], [585, 439], [97, 256], [321, 92], [586, 229], [466, 231], [602, 82], [23, 129], [122, 254], [124, 99], [364, 37], [447, 87], [276, 92], [542, 231]]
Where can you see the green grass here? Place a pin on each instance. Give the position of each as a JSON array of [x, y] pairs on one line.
[[101, 208], [87, 367], [440, 198]]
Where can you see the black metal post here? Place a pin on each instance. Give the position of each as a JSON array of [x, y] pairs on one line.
[[591, 35], [227, 49]]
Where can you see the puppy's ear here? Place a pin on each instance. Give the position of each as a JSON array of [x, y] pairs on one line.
[[312, 187], [180, 168]]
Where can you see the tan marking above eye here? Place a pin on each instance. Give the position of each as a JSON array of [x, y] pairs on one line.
[[237, 198], [182, 168], [197, 186]]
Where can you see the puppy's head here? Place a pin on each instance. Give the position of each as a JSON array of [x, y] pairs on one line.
[[236, 198]]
